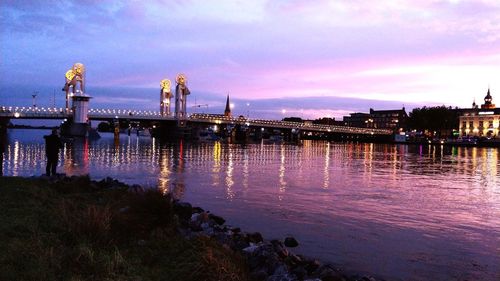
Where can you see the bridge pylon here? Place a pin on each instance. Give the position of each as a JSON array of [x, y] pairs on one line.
[[181, 93]]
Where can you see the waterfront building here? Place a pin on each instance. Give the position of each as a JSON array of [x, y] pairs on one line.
[[379, 119], [357, 119], [481, 121]]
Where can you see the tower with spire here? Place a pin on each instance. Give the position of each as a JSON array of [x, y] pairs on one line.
[[227, 111], [488, 101]]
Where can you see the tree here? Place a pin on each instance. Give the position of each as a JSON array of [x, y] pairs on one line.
[[440, 119]]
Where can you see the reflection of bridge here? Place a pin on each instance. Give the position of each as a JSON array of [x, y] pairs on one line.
[[144, 115]]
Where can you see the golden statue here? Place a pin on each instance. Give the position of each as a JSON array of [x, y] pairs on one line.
[[74, 76], [165, 97]]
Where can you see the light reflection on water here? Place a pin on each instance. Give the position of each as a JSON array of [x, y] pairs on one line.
[[403, 212]]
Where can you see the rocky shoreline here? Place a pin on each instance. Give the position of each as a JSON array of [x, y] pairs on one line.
[[270, 260]]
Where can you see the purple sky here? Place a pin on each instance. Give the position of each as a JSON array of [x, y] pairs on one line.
[[311, 58]]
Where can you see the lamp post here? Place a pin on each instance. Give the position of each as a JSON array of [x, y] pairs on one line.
[[248, 110], [34, 98]]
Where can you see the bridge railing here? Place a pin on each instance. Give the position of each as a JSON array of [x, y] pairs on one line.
[[34, 112], [219, 119], [126, 114], [55, 113]]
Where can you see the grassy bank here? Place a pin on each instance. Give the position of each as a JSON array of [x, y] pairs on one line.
[[75, 229]]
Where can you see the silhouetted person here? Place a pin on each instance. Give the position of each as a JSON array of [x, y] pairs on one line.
[[52, 145]]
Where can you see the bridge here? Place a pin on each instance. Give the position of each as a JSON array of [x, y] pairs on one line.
[[175, 123], [199, 118]]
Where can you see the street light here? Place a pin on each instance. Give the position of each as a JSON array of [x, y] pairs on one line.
[[248, 110], [34, 98]]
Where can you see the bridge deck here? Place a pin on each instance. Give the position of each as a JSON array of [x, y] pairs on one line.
[[107, 114]]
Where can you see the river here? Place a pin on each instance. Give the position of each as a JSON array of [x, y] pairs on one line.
[[394, 211]]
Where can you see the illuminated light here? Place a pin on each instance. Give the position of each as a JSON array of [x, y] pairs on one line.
[[17, 114]]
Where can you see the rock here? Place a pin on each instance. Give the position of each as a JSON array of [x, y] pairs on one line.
[[208, 231], [291, 242], [328, 273], [195, 226], [183, 210], [300, 272], [203, 217], [197, 210], [195, 217], [279, 248], [312, 265], [263, 256], [293, 260], [281, 274], [250, 249], [238, 242], [255, 237], [280, 269], [218, 220]]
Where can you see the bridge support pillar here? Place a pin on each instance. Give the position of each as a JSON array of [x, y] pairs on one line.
[[79, 125]]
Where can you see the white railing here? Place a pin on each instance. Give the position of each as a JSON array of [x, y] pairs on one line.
[[96, 114], [219, 119]]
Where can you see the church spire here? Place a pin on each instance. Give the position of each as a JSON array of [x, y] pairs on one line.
[[488, 101], [227, 111]]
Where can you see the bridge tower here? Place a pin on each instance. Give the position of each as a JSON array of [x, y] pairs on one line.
[[181, 93], [79, 124], [165, 97], [74, 76]]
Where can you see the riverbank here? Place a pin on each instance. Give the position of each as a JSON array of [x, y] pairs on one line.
[[72, 228]]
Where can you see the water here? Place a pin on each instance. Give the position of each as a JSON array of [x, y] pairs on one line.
[[395, 211]]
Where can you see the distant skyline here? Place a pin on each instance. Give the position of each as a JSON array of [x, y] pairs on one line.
[[310, 58]]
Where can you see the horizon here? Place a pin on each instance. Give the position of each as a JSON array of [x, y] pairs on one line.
[[313, 60]]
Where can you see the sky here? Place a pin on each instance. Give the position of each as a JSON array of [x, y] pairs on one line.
[[301, 58]]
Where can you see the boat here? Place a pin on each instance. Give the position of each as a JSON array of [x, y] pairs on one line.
[[207, 135], [144, 133]]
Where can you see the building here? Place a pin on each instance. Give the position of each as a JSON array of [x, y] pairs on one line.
[[356, 119], [480, 122], [380, 119]]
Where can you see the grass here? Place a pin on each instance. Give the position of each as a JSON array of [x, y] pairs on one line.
[[73, 230]]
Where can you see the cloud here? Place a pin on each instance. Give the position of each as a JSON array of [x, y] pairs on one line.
[[402, 51]]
